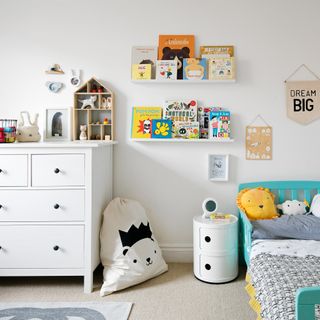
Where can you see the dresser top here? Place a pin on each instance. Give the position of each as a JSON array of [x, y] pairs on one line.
[[58, 144]]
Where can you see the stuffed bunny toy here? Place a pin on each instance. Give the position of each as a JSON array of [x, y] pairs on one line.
[[28, 131]]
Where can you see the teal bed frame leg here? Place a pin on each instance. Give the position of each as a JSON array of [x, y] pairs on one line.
[[306, 299]]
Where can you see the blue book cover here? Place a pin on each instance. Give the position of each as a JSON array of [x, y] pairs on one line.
[[194, 69], [219, 126], [161, 129]]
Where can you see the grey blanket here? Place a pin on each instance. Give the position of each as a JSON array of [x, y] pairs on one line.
[[302, 227]]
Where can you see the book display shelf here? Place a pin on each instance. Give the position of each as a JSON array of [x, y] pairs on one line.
[[175, 61]]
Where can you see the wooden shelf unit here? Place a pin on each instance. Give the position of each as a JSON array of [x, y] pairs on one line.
[[89, 116]]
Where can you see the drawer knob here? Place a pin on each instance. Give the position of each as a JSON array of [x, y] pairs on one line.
[[56, 170], [56, 248], [207, 266], [56, 206], [1, 171], [0, 248], [1, 206], [207, 239]]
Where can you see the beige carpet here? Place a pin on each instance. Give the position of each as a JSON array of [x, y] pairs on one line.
[[175, 295]]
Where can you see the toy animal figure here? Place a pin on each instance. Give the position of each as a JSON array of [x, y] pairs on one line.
[[89, 102], [294, 207], [83, 134], [28, 131]]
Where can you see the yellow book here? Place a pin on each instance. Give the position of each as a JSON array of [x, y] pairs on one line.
[[141, 126], [141, 72]]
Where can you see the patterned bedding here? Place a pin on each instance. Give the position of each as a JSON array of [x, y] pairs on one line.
[[275, 275]]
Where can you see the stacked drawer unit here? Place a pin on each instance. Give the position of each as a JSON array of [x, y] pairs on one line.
[[215, 249], [51, 202]]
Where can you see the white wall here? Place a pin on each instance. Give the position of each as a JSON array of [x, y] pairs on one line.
[[271, 38]]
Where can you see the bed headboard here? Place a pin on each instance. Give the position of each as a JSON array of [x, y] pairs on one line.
[[283, 190], [287, 190]]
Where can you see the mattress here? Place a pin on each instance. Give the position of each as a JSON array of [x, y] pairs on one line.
[[277, 269]]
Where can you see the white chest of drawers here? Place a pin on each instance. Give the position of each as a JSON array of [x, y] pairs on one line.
[[51, 200], [215, 249]]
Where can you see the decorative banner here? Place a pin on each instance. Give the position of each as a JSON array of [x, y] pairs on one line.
[[303, 98], [258, 143]]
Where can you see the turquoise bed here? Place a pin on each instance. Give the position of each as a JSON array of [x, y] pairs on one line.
[[306, 298]]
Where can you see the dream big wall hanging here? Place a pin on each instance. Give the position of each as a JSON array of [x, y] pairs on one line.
[[303, 98]]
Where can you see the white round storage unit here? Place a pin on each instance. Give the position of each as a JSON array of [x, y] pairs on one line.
[[215, 249]]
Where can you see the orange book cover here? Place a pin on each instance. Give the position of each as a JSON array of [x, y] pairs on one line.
[[175, 42]]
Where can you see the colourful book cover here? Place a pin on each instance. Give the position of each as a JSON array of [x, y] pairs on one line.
[[181, 110], [185, 130], [141, 126], [221, 69], [166, 70], [219, 125], [141, 72], [204, 119], [216, 52], [194, 69], [176, 47], [161, 129], [145, 55]]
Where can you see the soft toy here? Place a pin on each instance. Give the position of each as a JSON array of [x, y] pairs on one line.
[[257, 203], [294, 207]]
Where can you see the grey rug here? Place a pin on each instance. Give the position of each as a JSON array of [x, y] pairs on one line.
[[65, 311]]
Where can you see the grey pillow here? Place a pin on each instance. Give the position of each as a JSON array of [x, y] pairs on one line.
[[302, 227]]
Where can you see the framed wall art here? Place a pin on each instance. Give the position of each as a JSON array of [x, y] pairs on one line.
[[218, 167], [57, 124]]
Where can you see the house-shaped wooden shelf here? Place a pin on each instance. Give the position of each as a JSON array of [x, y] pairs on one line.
[[94, 107]]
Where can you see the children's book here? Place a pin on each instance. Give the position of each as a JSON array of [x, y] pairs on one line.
[[204, 119], [216, 52], [219, 126], [141, 72], [194, 69], [141, 126], [221, 68], [176, 43], [177, 110], [176, 47], [166, 70], [161, 129], [145, 55], [185, 130]]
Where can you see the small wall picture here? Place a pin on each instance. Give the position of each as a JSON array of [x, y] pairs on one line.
[[57, 125], [218, 167], [258, 143]]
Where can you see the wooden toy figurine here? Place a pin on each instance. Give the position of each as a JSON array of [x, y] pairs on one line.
[[89, 102], [83, 133]]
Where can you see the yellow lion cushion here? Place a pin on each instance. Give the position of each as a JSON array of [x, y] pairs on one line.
[[257, 203]]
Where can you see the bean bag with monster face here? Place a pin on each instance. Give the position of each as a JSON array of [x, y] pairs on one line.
[[129, 252]]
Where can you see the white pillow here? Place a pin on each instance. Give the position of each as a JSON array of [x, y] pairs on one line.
[[129, 252], [315, 206]]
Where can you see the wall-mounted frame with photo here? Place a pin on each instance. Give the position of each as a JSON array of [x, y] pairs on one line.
[[57, 124], [218, 165]]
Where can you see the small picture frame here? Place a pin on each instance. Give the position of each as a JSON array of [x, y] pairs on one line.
[[218, 165], [57, 124]]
